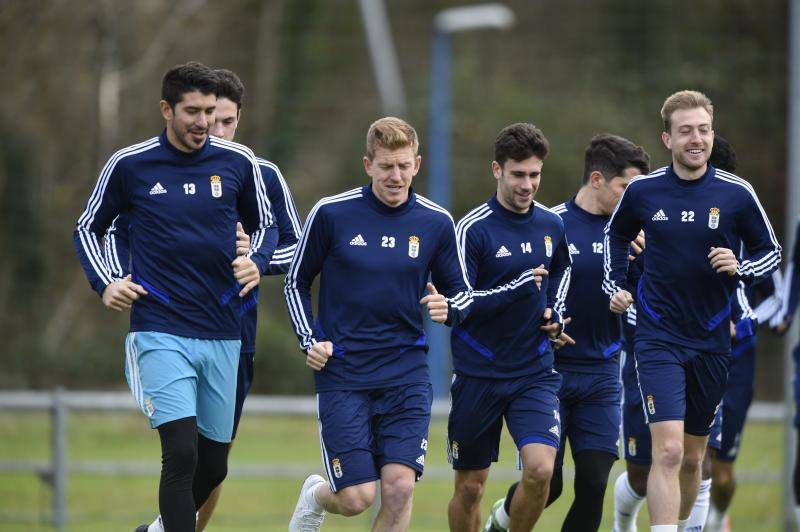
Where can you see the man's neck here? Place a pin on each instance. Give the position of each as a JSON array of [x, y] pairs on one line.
[[688, 174], [586, 200]]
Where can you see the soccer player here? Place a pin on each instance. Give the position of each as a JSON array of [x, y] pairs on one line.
[[790, 300], [373, 249], [746, 317], [502, 353], [692, 214], [724, 441], [230, 94], [589, 397], [183, 193]]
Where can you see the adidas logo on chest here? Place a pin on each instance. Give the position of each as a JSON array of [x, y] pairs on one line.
[[358, 240], [502, 252], [157, 189], [660, 216]]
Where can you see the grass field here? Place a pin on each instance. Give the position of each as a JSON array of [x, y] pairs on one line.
[[120, 503]]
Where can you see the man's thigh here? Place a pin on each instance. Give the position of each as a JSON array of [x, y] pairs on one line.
[[161, 376], [401, 417], [216, 387], [706, 377], [533, 413], [596, 417], [662, 382], [346, 438], [475, 421]]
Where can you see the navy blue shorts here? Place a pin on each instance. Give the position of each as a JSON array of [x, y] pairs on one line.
[[636, 439], [590, 413], [528, 404], [737, 399], [679, 383], [363, 430], [635, 432], [244, 380]]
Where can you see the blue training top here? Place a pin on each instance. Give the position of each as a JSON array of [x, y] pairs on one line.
[[680, 298], [182, 210], [501, 337], [595, 329], [373, 263], [289, 228]]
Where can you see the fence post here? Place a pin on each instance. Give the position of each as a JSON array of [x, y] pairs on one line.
[[60, 415]]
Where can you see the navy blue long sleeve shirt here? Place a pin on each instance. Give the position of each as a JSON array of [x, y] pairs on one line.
[[182, 210], [373, 263], [501, 338], [289, 228], [680, 298], [595, 329]]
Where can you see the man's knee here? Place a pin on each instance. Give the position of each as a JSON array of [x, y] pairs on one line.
[[637, 478], [723, 476], [669, 453], [538, 470], [397, 491], [354, 500], [470, 487]]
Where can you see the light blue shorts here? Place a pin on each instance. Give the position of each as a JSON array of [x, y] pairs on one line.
[[173, 377]]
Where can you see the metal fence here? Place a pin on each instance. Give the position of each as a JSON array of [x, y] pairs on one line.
[[59, 403]]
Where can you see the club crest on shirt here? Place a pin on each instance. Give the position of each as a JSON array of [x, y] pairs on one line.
[[413, 247], [337, 468], [651, 405], [548, 246], [216, 186], [713, 217]]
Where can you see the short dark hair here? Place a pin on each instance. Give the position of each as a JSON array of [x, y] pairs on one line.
[[611, 155], [192, 76], [723, 156], [519, 142], [230, 86]]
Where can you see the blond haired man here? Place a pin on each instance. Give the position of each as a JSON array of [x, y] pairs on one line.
[[373, 248], [693, 215]]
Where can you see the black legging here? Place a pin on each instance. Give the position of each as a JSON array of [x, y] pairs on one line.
[[191, 467], [796, 476], [591, 477]]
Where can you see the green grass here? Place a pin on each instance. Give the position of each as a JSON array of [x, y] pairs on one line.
[[103, 503]]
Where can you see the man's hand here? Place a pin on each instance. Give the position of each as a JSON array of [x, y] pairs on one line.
[[539, 273], [436, 303], [553, 329], [242, 240], [246, 273], [318, 354], [620, 302], [733, 330], [563, 338], [120, 295], [723, 260], [637, 246], [784, 325]]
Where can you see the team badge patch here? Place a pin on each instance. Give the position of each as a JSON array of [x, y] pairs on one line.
[[713, 217], [548, 246], [454, 450], [337, 468], [632, 446], [413, 247], [149, 407], [651, 405], [216, 186]]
